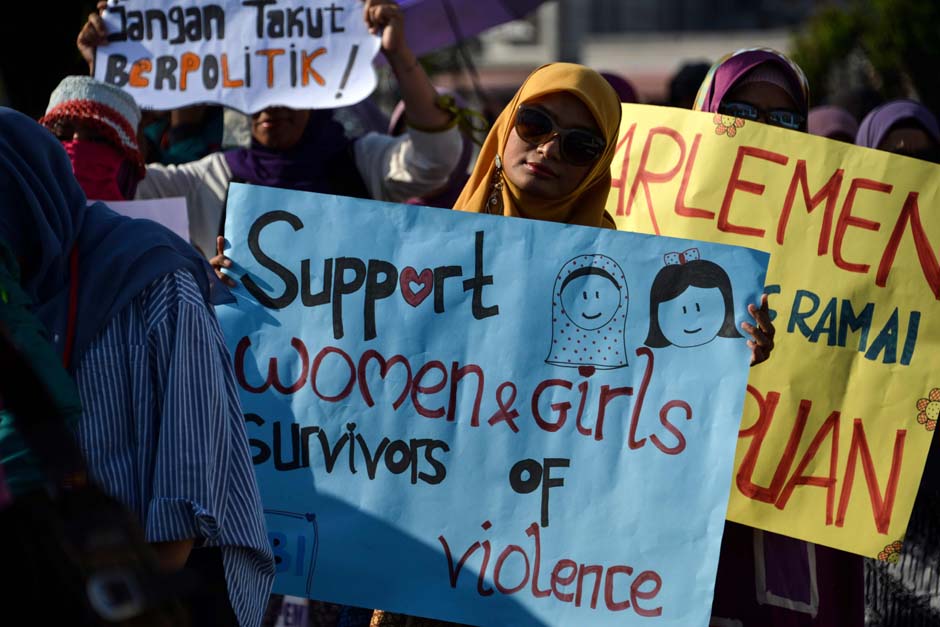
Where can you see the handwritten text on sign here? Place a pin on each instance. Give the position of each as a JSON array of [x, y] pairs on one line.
[[476, 418], [245, 54], [836, 431]]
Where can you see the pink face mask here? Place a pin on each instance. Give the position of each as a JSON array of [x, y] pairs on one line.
[[96, 166]]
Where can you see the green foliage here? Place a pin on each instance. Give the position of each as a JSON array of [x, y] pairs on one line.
[[899, 39], [907, 41], [830, 35]]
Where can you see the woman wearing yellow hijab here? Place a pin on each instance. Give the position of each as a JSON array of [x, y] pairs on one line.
[[548, 155]]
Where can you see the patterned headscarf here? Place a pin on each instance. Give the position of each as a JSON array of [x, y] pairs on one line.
[[584, 205], [729, 70]]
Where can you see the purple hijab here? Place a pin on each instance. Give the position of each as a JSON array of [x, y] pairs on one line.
[[728, 70], [304, 167], [622, 86], [45, 216], [832, 122], [881, 120]]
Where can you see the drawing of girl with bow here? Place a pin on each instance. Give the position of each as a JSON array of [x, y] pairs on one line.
[[691, 302]]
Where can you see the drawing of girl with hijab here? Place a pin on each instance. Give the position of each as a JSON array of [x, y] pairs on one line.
[[690, 302], [589, 314]]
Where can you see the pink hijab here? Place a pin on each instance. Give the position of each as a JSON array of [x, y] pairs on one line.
[[832, 122], [731, 68]]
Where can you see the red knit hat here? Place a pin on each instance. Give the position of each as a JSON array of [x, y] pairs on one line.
[[111, 111]]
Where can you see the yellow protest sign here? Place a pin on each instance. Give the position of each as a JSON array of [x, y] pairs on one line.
[[837, 424]]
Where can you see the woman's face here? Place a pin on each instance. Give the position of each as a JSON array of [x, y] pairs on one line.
[[538, 169], [77, 130], [765, 97], [279, 128], [910, 141]]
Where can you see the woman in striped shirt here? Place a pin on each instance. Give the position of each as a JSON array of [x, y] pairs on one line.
[[127, 304]]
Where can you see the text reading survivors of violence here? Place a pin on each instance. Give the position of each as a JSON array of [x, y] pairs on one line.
[[440, 388]]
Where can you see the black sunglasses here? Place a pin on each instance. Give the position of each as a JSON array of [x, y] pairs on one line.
[[578, 146], [784, 118]]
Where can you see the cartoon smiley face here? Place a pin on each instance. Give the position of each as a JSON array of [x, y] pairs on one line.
[[694, 317], [591, 300]]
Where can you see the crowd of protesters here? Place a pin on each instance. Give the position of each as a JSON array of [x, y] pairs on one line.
[[116, 315]]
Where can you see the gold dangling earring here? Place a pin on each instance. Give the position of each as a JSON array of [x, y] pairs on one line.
[[494, 203]]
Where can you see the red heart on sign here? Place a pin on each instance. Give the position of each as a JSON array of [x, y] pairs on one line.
[[410, 276]]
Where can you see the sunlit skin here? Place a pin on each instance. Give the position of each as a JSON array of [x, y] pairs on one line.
[[764, 96], [694, 317], [279, 128], [538, 169], [907, 141]]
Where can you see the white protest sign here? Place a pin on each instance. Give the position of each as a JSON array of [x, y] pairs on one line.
[[245, 54]]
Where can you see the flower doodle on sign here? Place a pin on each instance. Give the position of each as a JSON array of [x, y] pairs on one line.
[[891, 553], [929, 409], [727, 124]]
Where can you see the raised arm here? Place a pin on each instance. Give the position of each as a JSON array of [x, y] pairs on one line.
[[421, 160], [92, 35], [420, 97]]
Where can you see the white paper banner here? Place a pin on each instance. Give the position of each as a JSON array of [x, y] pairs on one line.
[[245, 54]]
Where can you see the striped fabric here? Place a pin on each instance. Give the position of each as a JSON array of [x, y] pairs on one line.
[[164, 433]]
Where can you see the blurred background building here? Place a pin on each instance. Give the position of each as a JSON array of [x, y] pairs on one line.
[[646, 41], [856, 53]]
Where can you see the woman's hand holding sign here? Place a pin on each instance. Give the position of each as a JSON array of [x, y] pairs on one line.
[[92, 35], [762, 335], [220, 261]]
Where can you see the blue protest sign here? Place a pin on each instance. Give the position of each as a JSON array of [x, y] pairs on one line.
[[488, 420]]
